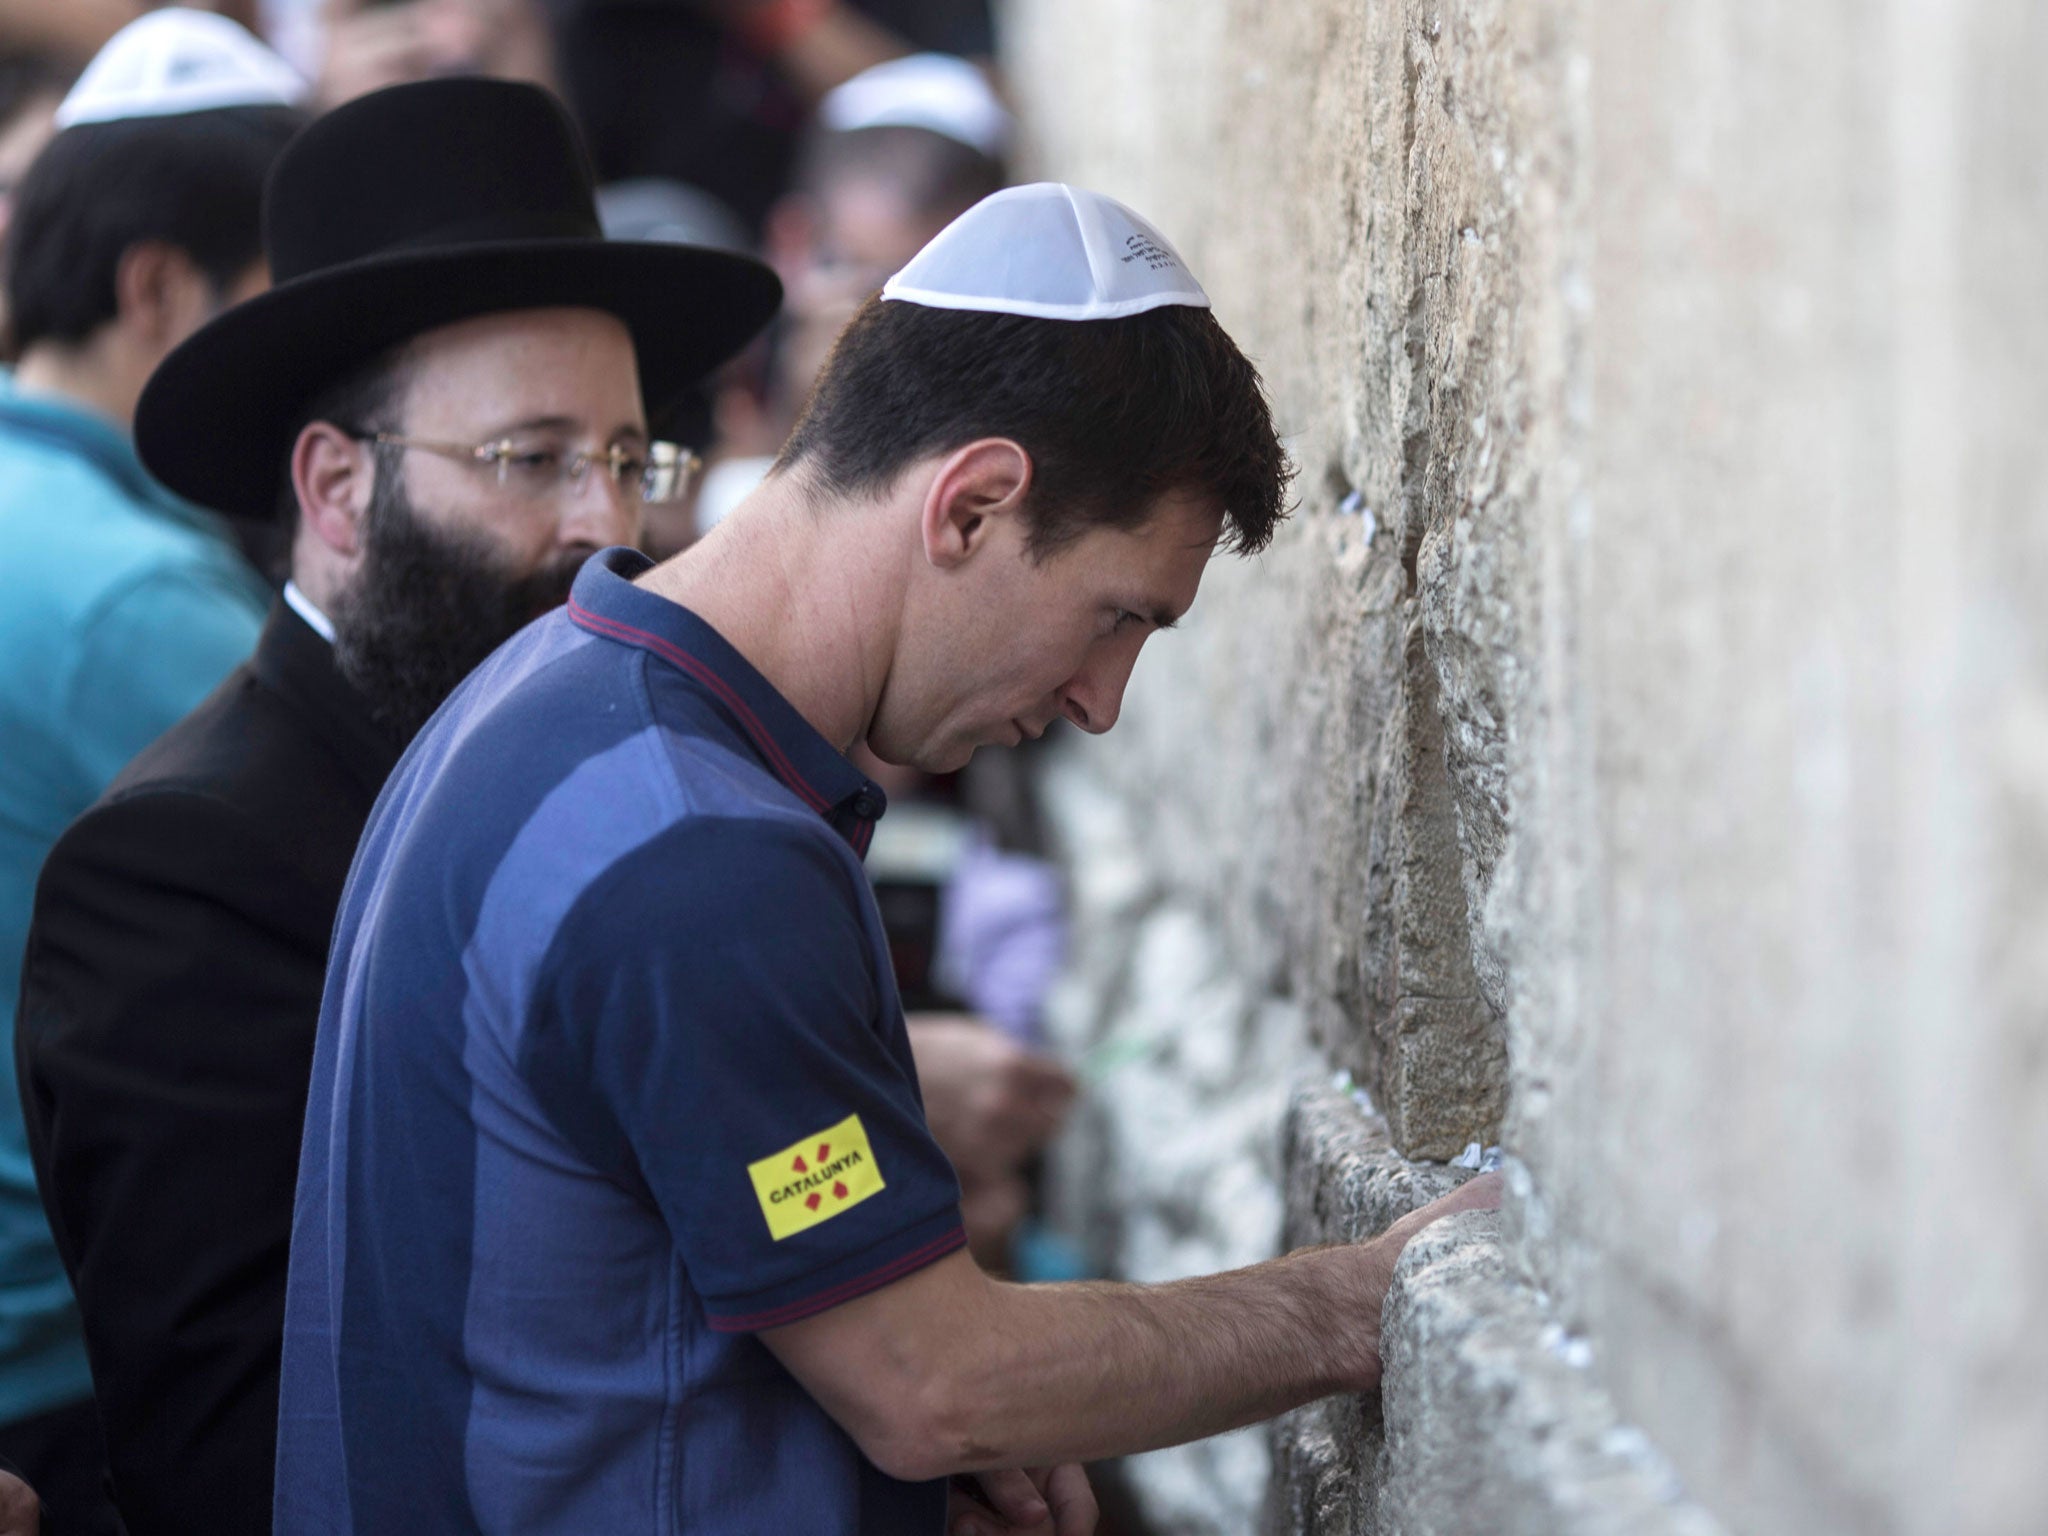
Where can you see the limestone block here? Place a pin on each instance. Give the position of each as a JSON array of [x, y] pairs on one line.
[[1491, 1416], [1344, 1182], [1494, 1417], [1437, 1060], [1340, 826], [1666, 385]]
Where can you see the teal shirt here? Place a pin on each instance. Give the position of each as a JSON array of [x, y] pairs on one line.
[[120, 609]]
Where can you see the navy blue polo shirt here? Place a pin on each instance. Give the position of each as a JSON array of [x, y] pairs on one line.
[[611, 1074]]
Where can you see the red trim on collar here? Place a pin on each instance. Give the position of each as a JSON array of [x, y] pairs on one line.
[[770, 748]]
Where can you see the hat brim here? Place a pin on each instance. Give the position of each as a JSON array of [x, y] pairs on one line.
[[214, 418]]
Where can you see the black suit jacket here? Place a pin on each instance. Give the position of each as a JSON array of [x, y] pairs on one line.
[[164, 1043]]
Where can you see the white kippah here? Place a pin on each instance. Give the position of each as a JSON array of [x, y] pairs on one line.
[[1048, 250], [171, 61], [933, 91]]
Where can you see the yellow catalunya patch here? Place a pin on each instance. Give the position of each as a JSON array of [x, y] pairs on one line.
[[813, 1180]]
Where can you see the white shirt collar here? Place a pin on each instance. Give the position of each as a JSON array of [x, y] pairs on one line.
[[302, 605]]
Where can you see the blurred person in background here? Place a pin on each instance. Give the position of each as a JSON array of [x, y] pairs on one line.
[[650, 208], [357, 46], [174, 969], [718, 93], [31, 87], [897, 154], [72, 31], [121, 604]]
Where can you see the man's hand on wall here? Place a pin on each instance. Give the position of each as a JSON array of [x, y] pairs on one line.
[[948, 1370], [1034, 1501], [1479, 1193], [990, 1102], [990, 1210], [21, 1512]]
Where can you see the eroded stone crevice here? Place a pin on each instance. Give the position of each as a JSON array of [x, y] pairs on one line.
[[1492, 1416], [1630, 752], [1305, 892]]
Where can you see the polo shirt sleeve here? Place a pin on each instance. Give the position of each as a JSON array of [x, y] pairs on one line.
[[713, 1030], [154, 649]]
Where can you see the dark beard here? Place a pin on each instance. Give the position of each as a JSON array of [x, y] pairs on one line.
[[427, 606]]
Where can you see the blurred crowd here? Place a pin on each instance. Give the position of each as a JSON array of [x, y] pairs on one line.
[[145, 1191]]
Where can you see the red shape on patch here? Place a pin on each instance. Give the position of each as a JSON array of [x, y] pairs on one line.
[[813, 1200], [838, 1191], [824, 1150], [800, 1165]]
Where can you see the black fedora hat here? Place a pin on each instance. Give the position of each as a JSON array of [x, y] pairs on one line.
[[402, 211]]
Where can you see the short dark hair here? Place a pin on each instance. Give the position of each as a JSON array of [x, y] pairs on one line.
[[193, 181], [1114, 413], [365, 400]]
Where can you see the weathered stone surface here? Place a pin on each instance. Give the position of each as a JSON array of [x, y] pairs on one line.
[[1436, 1058], [1345, 1182], [1491, 1417], [1324, 828], [1651, 695], [1494, 1418]]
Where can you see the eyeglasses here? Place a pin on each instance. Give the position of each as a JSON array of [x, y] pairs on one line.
[[659, 473]]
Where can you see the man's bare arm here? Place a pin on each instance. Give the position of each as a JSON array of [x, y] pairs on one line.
[[949, 1371]]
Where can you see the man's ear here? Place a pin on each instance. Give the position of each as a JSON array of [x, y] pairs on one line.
[[160, 295], [333, 475], [973, 489]]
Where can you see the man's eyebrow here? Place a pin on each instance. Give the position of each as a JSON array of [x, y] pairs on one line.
[[568, 424]]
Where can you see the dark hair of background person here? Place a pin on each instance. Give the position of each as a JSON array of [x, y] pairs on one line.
[[366, 400], [932, 173], [193, 181], [1114, 413], [28, 78], [663, 89]]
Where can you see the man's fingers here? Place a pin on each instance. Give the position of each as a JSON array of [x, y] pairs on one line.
[[1036, 1501], [1031, 1097], [1479, 1193], [1014, 1496], [20, 1510], [1072, 1500], [991, 1103], [1043, 1079]]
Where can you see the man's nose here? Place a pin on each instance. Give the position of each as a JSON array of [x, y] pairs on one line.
[[598, 511], [1094, 696]]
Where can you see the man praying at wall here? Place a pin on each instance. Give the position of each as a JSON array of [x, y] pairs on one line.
[[618, 1209]]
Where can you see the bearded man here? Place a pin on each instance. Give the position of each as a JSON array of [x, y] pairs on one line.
[[447, 389]]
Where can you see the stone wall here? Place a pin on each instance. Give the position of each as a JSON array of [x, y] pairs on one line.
[[1635, 751]]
